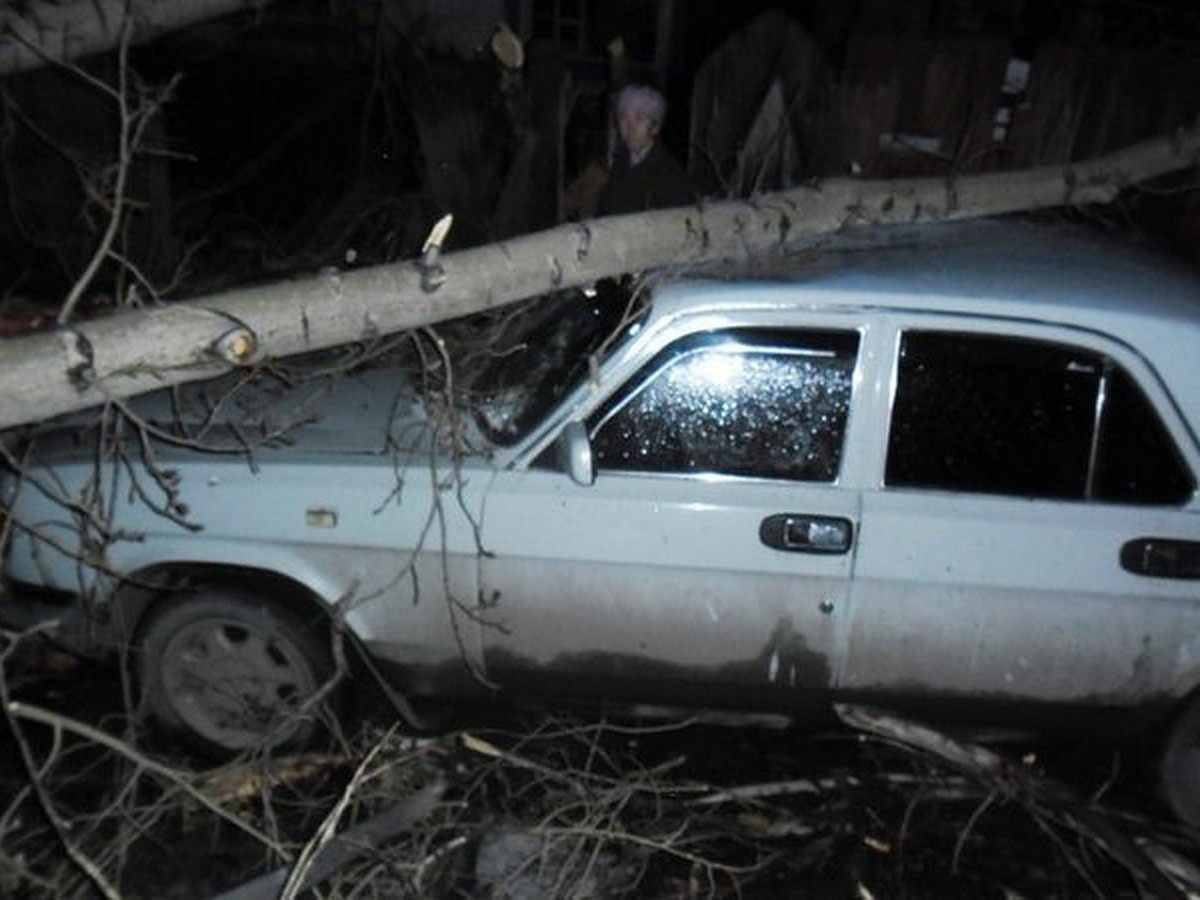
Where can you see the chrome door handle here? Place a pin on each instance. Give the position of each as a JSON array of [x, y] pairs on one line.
[[803, 533], [1162, 558]]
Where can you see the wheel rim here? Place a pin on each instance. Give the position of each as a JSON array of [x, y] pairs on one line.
[[234, 683]]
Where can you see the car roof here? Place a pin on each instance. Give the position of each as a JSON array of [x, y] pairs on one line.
[[1049, 273], [984, 267]]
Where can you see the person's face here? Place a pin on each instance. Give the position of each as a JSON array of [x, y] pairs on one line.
[[638, 130]]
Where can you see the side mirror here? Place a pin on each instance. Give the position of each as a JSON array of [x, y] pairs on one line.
[[575, 453]]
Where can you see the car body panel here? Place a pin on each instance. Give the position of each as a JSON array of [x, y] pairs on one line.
[[467, 566], [594, 593], [1012, 597], [349, 539]]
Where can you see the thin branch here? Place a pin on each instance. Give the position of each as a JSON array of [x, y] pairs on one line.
[[20, 710], [37, 781], [325, 833], [124, 157]]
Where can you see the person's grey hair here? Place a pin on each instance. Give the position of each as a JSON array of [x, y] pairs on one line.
[[642, 98]]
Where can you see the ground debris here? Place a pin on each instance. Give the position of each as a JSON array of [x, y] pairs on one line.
[[363, 839], [1046, 800], [535, 806], [246, 781]]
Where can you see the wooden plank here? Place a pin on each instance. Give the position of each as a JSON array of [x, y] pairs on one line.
[[948, 92], [961, 95], [1045, 125], [731, 86], [859, 114]]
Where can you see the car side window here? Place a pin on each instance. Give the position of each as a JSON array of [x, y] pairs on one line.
[[1026, 418], [762, 404]]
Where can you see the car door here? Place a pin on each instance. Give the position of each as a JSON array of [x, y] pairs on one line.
[[1033, 536], [710, 559]]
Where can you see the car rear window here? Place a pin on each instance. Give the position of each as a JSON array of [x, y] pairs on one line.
[[1029, 418]]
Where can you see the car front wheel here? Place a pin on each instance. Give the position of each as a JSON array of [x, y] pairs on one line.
[[225, 670], [1179, 768]]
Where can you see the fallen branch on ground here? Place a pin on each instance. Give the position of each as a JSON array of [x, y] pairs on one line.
[[1041, 796]]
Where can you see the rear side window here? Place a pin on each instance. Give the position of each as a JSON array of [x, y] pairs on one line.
[[1137, 461], [765, 404], [1026, 418]]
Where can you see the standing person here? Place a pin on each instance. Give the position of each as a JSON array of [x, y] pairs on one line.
[[644, 175]]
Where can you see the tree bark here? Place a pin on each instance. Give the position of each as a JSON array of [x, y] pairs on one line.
[[47, 374], [37, 33]]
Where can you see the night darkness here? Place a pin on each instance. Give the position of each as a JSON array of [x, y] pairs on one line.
[[302, 136], [308, 129]]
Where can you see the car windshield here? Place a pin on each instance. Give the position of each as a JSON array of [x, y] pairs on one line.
[[540, 360]]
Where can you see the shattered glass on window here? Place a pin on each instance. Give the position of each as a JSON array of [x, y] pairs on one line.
[[541, 356], [768, 405]]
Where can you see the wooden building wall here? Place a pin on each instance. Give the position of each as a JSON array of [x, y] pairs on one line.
[[908, 102]]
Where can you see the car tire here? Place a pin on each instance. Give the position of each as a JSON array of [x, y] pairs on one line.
[[225, 671], [1179, 766]]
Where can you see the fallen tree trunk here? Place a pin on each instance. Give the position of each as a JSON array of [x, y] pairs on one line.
[[34, 34], [84, 365]]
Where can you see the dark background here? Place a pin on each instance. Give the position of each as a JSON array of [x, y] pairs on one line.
[[310, 133]]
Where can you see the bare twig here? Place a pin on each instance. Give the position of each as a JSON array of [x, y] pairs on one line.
[[37, 782], [1042, 798], [124, 157], [324, 834], [333, 853], [25, 711]]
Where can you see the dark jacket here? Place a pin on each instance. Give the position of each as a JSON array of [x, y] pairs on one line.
[[657, 181]]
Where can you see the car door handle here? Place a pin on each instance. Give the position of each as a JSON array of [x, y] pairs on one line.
[[1162, 557], [803, 533]]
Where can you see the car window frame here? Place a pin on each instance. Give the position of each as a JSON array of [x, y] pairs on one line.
[[1135, 365], [659, 331], [721, 339]]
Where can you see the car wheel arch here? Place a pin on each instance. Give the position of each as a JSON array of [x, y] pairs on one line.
[[1178, 750], [140, 593]]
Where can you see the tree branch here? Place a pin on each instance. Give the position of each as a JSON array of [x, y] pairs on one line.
[[38, 33], [1040, 795], [132, 352]]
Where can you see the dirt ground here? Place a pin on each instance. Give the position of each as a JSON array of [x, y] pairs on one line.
[[526, 804]]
